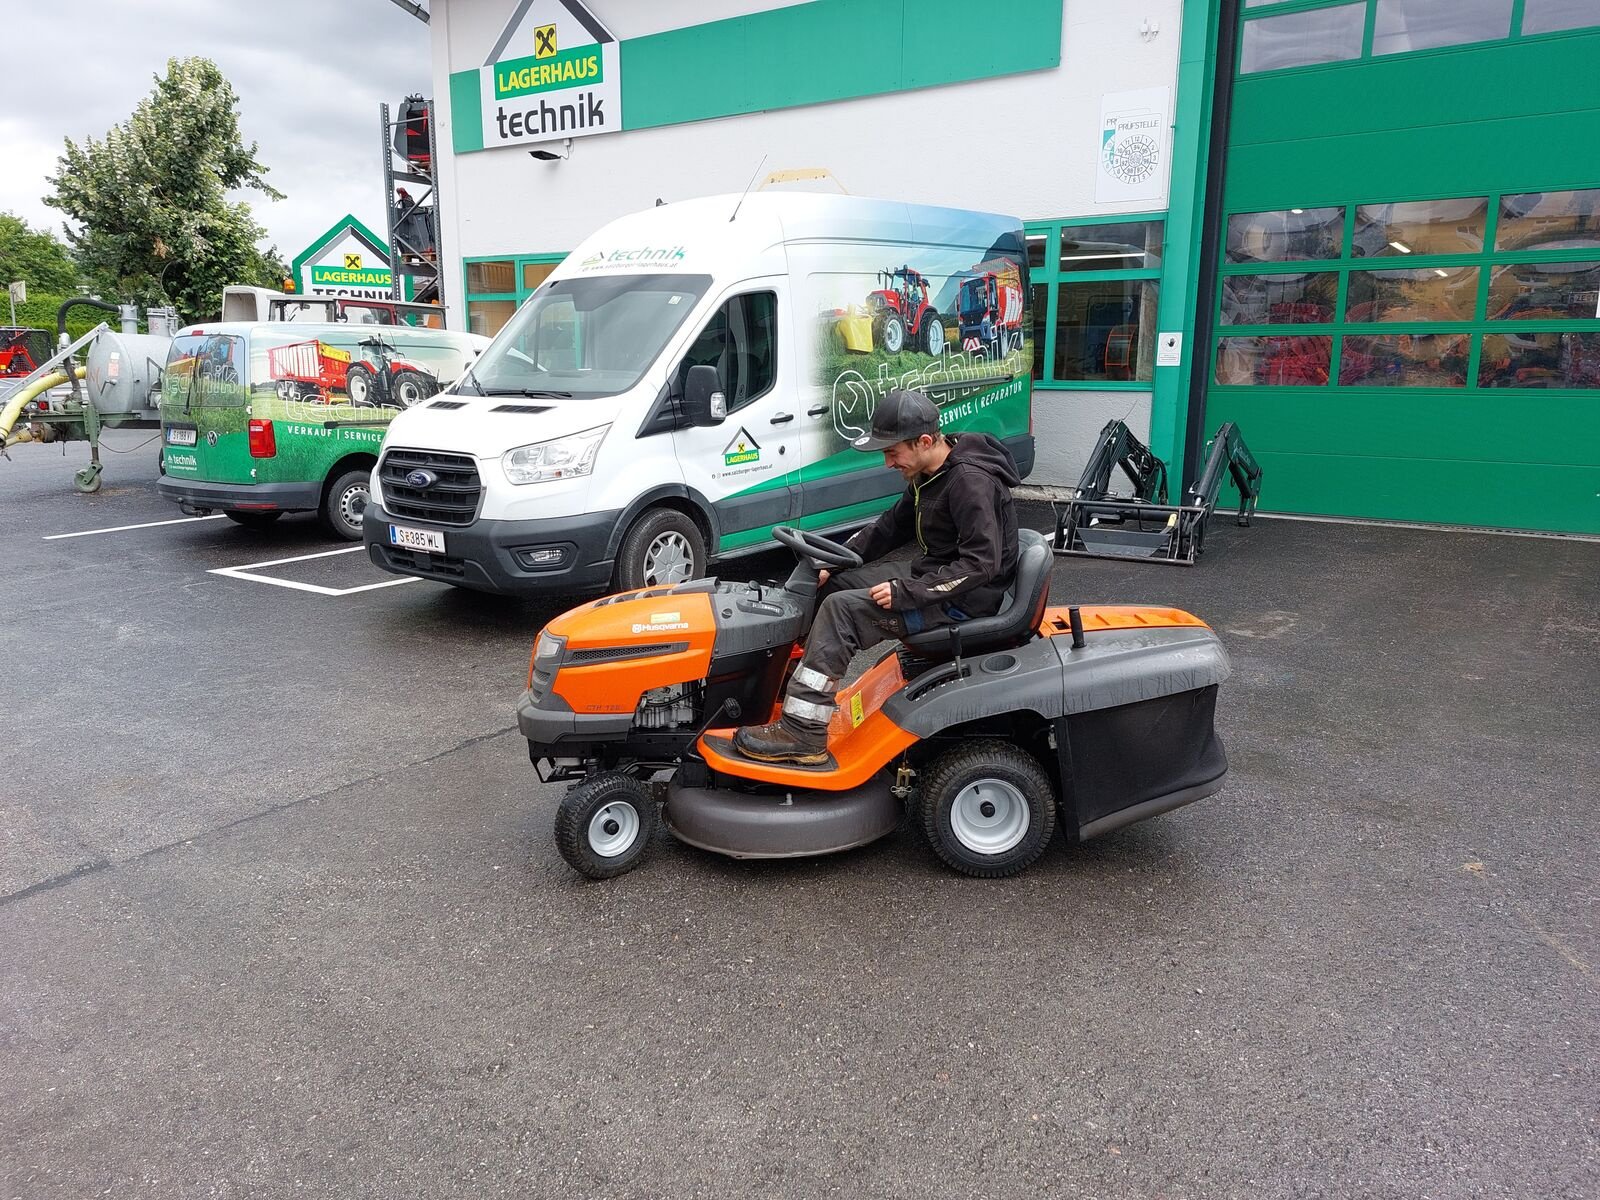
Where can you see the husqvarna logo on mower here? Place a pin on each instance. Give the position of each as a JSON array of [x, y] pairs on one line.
[[661, 622], [421, 479]]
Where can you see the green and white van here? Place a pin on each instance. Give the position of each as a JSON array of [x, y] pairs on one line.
[[691, 376], [262, 419]]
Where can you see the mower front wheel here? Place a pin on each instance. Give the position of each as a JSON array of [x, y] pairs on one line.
[[988, 809], [605, 824]]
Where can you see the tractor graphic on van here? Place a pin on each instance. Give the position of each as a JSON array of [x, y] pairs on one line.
[[898, 315], [902, 315], [313, 371]]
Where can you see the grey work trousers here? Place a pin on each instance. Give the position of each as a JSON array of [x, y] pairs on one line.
[[848, 620]]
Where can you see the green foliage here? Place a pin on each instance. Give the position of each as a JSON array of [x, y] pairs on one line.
[[154, 224], [35, 257]]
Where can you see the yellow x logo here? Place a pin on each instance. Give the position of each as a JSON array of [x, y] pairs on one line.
[[352, 262], [544, 41]]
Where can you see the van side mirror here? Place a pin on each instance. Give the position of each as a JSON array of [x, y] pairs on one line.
[[703, 401]]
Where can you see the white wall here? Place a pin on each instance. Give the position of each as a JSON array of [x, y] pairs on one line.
[[1025, 145]]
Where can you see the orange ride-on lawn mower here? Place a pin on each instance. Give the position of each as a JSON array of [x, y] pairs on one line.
[[986, 734]]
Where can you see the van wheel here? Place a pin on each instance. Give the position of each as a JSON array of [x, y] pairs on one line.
[[345, 503], [988, 809], [663, 547], [251, 520], [605, 824]]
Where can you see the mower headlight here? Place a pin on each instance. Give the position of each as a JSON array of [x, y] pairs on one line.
[[560, 458], [546, 648]]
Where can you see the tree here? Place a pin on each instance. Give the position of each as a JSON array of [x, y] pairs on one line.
[[35, 257], [154, 223]]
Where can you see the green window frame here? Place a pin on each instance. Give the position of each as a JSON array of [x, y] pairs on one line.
[[1475, 329], [517, 263], [1260, 10], [1051, 276]]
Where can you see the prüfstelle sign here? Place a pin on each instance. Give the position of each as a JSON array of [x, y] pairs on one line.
[[554, 72]]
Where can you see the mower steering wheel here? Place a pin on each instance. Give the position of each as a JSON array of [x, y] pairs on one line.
[[818, 549]]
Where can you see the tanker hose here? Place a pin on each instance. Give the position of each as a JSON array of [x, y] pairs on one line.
[[76, 302]]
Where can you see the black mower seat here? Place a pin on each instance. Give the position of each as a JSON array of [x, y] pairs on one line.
[[1020, 611]]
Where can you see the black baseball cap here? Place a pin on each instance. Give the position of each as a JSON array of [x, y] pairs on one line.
[[900, 417]]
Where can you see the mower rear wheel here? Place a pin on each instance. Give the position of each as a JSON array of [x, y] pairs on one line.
[[605, 824], [988, 809]]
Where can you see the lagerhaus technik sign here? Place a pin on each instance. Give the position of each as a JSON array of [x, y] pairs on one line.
[[555, 72]]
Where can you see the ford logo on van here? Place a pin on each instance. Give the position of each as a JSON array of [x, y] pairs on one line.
[[421, 479]]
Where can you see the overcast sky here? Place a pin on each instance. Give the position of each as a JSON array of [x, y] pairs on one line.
[[310, 75]]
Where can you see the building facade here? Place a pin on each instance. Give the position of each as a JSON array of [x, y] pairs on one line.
[[1367, 231]]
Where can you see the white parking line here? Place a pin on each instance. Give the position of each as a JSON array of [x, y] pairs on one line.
[[55, 537], [247, 572]]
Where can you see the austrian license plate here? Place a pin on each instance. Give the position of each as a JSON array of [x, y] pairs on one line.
[[180, 437], [427, 540]]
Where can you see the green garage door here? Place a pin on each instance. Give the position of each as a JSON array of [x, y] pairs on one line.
[[1408, 314]]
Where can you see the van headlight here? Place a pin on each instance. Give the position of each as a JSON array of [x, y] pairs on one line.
[[559, 458]]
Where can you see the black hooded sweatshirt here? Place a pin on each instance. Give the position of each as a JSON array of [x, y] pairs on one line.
[[965, 525]]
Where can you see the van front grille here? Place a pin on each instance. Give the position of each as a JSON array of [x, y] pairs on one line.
[[451, 498]]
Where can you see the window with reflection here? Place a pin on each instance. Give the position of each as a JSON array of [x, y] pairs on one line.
[[1041, 313], [1420, 227], [1423, 24], [1302, 39], [1302, 298], [1038, 248], [1274, 361], [1539, 360], [498, 276], [1125, 246], [1560, 291], [1412, 294], [1549, 221], [533, 274], [489, 316], [1287, 235], [1106, 330], [1405, 360], [1550, 16]]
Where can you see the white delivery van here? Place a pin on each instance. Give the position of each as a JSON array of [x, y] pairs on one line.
[[691, 376]]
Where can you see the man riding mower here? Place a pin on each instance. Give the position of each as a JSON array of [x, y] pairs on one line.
[[987, 732], [958, 507]]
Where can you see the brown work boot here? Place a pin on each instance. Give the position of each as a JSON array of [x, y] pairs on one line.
[[779, 743]]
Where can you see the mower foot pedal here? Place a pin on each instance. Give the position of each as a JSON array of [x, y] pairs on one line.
[[725, 747]]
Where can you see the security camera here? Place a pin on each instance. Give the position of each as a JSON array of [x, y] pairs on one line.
[[551, 155]]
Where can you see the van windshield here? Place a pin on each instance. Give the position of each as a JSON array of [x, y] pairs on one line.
[[585, 338]]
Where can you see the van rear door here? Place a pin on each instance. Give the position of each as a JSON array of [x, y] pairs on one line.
[[205, 409]]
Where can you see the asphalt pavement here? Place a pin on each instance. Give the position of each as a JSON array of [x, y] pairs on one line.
[[281, 914]]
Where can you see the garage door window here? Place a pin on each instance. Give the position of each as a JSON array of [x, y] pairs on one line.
[[1455, 292], [1095, 289]]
